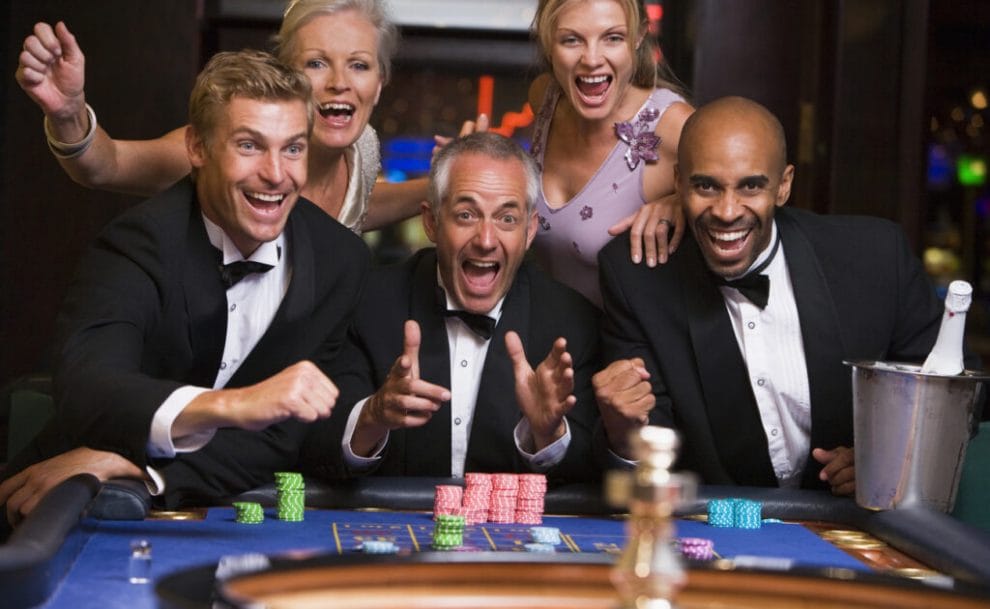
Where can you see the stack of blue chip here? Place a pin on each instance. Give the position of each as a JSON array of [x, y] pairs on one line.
[[721, 513], [379, 547], [748, 513], [547, 535], [735, 512]]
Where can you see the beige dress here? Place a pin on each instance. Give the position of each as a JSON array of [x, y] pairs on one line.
[[365, 162]]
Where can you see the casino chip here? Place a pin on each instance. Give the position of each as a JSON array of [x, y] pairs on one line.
[[379, 547], [530, 498], [448, 532], [747, 514], [505, 490], [291, 496], [546, 535], [696, 548], [541, 548], [249, 512], [239, 564], [447, 500], [735, 512], [721, 513], [477, 497]]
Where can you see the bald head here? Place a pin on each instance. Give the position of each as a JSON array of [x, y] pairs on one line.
[[731, 175], [718, 122]]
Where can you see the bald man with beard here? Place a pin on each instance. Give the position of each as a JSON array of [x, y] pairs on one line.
[[755, 383]]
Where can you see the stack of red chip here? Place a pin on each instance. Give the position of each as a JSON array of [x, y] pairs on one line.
[[529, 500], [502, 508], [447, 500], [477, 497]]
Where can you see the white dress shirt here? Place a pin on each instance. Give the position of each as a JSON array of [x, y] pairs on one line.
[[468, 352], [772, 347], [251, 306]]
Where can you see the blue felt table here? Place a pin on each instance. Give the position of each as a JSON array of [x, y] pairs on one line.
[[99, 576]]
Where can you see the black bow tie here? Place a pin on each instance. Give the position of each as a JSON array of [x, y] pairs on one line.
[[231, 273], [482, 325], [753, 285]]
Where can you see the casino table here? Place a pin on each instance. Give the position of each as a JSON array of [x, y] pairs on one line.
[[814, 550]]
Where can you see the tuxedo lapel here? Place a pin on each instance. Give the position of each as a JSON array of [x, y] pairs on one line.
[[423, 453], [820, 333], [731, 408], [206, 301], [496, 409]]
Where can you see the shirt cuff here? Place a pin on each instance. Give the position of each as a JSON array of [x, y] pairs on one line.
[[155, 482], [354, 462], [160, 441], [550, 455]]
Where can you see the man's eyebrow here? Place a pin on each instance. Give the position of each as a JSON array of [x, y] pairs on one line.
[[700, 178], [755, 180], [258, 135]]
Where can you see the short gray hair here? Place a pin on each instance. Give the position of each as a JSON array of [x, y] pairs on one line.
[[491, 145], [300, 12]]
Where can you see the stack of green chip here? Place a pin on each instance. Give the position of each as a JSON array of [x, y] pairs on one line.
[[249, 512], [291, 496], [448, 532]]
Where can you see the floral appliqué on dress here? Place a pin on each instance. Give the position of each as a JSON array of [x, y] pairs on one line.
[[587, 213], [643, 142]]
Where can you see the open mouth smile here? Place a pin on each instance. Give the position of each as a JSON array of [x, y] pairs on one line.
[[339, 111]]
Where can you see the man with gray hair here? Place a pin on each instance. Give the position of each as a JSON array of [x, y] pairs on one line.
[[439, 340]]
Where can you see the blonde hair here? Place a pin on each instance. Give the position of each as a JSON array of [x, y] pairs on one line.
[[647, 73], [300, 12], [248, 74]]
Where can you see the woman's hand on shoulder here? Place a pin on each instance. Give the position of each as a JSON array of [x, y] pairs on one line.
[[655, 230]]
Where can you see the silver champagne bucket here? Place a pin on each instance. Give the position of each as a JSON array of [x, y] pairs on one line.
[[911, 432]]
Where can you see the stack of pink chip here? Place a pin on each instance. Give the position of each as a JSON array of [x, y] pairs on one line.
[[505, 488], [447, 500], [529, 499], [477, 497]]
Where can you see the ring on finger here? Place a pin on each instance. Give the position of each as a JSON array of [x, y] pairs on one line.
[[667, 222]]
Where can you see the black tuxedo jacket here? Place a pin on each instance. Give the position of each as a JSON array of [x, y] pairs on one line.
[[537, 308], [147, 314], [860, 292]]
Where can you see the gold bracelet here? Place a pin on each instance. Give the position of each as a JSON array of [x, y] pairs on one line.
[[71, 151]]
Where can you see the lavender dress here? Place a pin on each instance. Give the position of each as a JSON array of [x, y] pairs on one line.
[[568, 238]]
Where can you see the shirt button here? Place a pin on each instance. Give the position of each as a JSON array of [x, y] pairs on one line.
[[457, 421], [773, 432], [760, 382], [233, 307], [223, 365], [463, 363], [751, 325]]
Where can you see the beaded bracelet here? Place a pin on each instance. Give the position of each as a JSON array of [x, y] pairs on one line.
[[71, 151]]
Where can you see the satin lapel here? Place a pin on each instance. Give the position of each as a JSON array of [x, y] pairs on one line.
[[496, 411], [831, 399], [295, 307], [427, 448], [732, 412], [206, 302]]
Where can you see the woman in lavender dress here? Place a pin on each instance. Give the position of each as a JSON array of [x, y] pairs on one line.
[[605, 138]]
